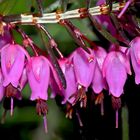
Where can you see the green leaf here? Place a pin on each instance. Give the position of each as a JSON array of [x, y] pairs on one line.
[[6, 6]]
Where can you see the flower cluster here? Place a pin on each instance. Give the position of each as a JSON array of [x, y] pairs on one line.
[[96, 68]]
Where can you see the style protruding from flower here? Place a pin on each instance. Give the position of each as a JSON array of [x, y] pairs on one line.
[[115, 69], [116, 63]]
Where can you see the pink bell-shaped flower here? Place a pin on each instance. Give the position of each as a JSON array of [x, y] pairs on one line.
[[115, 69], [98, 82], [38, 72], [71, 88], [12, 63], [83, 64], [135, 57]]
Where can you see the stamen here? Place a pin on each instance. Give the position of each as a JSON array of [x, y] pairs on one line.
[[41, 107], [117, 117], [45, 124], [69, 111], [99, 98], [12, 106], [80, 96]]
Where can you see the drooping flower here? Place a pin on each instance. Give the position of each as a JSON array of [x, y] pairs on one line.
[[115, 69], [38, 72], [98, 82], [135, 57], [71, 88], [83, 65], [12, 64]]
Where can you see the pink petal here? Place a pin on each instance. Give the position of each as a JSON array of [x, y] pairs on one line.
[[71, 84], [54, 87], [125, 61], [37, 67], [83, 64], [98, 82], [107, 61], [100, 54], [115, 75], [136, 66], [12, 63], [38, 87], [23, 79], [135, 45]]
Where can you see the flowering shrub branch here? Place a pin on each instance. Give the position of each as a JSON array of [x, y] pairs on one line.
[[88, 66]]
